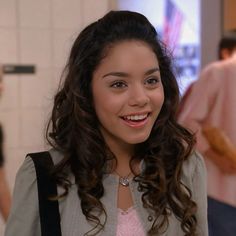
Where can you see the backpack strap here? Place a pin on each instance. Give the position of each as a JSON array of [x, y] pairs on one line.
[[48, 209]]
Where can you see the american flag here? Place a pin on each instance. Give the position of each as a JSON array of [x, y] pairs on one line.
[[172, 24]]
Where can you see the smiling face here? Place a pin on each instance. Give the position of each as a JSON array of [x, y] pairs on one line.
[[127, 93]]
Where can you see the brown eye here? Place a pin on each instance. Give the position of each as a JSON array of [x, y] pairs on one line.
[[152, 81], [118, 84]]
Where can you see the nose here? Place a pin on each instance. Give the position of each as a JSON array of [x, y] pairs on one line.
[[138, 96]]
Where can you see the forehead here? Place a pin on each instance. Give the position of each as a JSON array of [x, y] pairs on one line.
[[127, 46], [129, 54]]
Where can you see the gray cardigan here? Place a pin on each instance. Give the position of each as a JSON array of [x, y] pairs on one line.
[[24, 216]]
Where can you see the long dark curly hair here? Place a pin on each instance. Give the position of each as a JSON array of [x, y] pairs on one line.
[[74, 129]]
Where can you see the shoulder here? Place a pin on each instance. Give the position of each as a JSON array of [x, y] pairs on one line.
[[24, 216], [55, 155], [209, 81], [26, 177], [195, 179], [214, 71], [27, 170], [192, 167], [25, 188], [26, 173]]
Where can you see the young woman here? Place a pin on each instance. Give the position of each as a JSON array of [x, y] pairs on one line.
[[123, 164]]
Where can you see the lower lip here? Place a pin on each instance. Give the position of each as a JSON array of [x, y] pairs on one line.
[[136, 124]]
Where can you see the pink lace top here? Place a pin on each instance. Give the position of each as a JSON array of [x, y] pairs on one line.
[[129, 223]]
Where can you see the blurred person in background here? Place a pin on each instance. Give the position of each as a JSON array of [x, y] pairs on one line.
[[226, 48], [208, 108], [5, 197]]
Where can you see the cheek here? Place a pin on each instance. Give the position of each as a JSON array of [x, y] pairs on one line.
[[158, 99], [105, 105], [161, 100], [108, 107], [105, 101]]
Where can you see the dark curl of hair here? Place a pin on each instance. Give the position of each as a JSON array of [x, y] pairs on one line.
[[74, 129]]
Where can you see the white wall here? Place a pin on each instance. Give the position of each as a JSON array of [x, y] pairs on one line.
[[39, 33]]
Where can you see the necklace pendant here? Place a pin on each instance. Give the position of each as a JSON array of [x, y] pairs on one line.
[[124, 181]]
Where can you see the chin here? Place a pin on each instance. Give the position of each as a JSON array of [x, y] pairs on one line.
[[138, 140]]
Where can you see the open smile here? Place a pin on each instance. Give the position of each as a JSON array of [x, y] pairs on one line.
[[136, 120]]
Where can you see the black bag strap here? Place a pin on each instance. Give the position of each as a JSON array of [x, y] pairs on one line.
[[48, 209]]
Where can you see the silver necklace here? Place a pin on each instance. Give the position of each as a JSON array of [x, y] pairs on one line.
[[124, 180]]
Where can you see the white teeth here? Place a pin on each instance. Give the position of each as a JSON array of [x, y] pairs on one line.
[[136, 117]]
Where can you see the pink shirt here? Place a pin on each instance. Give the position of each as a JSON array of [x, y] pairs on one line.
[[129, 223], [212, 102]]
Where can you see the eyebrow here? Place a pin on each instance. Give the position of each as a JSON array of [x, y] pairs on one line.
[[123, 74], [149, 72]]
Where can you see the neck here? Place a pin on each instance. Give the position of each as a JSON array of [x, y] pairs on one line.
[[122, 163], [123, 153]]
